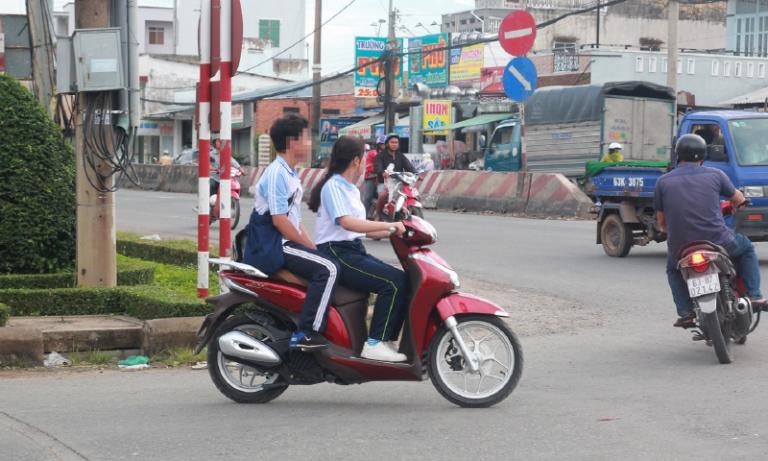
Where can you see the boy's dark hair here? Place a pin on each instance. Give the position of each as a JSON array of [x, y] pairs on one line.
[[288, 126]]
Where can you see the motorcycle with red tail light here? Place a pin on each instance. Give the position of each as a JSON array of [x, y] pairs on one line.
[[460, 341], [724, 313]]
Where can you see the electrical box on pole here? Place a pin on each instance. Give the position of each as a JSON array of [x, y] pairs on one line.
[[98, 59]]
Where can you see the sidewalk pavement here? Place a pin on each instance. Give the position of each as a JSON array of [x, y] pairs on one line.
[[30, 338]]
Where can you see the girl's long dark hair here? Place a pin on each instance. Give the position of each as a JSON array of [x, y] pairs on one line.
[[344, 150]]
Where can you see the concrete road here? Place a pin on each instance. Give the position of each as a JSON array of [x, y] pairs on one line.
[[606, 375]]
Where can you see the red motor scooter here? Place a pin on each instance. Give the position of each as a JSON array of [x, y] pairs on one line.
[[460, 341], [403, 197], [215, 203]]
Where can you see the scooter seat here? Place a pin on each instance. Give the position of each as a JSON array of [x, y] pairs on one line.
[[341, 297]]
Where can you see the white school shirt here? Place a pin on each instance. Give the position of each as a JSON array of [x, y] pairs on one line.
[[275, 188], [338, 198]]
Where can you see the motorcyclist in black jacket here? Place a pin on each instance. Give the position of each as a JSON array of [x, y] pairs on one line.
[[390, 155]]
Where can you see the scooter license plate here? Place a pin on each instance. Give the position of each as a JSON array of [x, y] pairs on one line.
[[704, 285]]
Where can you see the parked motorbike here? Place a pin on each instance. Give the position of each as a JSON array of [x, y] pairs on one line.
[[724, 313], [403, 197], [460, 341], [215, 204]]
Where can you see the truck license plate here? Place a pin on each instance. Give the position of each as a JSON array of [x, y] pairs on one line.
[[700, 286]]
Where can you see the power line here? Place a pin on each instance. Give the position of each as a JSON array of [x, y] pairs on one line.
[[406, 53], [300, 40]]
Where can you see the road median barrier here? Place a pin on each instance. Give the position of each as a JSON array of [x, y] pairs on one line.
[[535, 194], [553, 195]]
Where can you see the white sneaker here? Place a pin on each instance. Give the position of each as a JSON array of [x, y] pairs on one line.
[[382, 352], [392, 345]]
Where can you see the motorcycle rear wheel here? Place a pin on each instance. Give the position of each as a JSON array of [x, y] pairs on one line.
[[235, 212], [236, 380], [451, 375], [721, 343]]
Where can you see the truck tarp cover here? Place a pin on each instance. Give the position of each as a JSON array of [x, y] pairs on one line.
[[584, 103]]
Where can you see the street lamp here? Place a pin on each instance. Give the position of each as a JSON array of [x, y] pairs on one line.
[[434, 23], [378, 25], [406, 29]]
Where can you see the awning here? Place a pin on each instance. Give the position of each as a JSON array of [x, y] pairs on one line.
[[474, 121], [363, 128]]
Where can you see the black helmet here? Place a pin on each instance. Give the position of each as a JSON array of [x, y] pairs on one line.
[[690, 148], [390, 136]]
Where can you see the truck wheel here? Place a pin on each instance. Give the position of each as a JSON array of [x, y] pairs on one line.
[[616, 236]]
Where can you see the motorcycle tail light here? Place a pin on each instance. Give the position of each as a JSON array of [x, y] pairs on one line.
[[698, 262]]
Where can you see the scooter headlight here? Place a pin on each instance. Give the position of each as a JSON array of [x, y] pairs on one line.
[[452, 275]]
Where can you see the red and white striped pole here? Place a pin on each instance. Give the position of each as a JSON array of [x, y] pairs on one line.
[[225, 187], [204, 147]]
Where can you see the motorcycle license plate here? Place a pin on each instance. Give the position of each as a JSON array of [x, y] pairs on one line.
[[704, 285]]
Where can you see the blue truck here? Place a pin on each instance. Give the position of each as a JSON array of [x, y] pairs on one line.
[[737, 144]]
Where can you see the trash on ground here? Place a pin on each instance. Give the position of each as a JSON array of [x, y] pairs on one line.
[[200, 366], [134, 360], [54, 359], [155, 237], [142, 366]]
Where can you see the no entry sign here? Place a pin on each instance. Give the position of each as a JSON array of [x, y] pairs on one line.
[[517, 33]]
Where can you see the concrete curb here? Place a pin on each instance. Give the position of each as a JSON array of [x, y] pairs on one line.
[[21, 344], [163, 334], [534, 194], [29, 338]]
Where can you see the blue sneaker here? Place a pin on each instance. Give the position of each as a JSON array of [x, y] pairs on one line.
[[307, 341]]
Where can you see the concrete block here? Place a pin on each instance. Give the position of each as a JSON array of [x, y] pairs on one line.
[[19, 344], [162, 334]]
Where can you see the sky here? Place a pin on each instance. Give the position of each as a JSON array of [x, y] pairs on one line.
[[338, 35]]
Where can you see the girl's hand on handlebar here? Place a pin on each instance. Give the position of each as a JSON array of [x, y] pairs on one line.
[[399, 228]]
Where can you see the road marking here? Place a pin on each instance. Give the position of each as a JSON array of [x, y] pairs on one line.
[[516, 73], [510, 34]]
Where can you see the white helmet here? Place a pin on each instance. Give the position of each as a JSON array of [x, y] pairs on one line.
[[614, 145]]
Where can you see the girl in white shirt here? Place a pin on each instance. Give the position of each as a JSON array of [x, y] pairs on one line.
[[339, 230]]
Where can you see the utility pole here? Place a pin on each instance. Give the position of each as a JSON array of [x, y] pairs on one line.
[[96, 259], [597, 39], [42, 52], [674, 16], [316, 94], [389, 72]]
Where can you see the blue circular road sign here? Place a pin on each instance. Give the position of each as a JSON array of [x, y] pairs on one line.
[[519, 79]]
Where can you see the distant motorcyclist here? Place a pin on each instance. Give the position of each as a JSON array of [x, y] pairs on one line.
[[216, 166], [390, 155], [614, 154], [369, 185], [687, 203]]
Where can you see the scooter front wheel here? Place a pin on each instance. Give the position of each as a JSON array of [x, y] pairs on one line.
[[498, 353]]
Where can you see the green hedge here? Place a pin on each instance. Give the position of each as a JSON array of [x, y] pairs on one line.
[[5, 313], [177, 252], [143, 302], [37, 191], [129, 273]]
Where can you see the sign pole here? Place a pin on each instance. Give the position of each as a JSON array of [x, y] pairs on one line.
[[204, 146]]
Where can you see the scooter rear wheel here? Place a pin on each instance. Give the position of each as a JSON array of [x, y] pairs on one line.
[[500, 358], [237, 381]]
